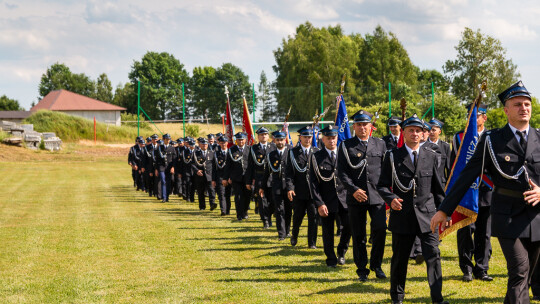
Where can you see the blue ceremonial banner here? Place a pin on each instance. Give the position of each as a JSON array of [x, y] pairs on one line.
[[315, 135], [342, 120], [467, 209]]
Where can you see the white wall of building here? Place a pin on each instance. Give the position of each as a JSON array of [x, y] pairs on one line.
[[110, 117]]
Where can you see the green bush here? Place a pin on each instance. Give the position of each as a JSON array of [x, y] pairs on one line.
[[192, 130], [133, 117], [72, 128], [3, 135]]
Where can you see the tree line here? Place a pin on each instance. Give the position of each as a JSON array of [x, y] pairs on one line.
[[376, 66]]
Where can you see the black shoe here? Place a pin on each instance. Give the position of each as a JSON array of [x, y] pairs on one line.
[[536, 298], [312, 247], [379, 273], [256, 210], [467, 277], [222, 213], [397, 302], [265, 225], [201, 209], [362, 278], [288, 235], [294, 240], [341, 260], [338, 233], [150, 194], [331, 266], [213, 206], [484, 277], [419, 259], [246, 217], [442, 302], [281, 239]]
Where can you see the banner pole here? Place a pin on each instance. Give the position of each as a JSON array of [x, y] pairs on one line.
[[322, 101], [253, 102], [432, 100]]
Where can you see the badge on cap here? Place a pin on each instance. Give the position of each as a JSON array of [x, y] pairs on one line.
[[507, 158], [359, 154]]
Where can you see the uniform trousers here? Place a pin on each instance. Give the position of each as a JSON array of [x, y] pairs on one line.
[[357, 219], [521, 259], [328, 235], [401, 248], [479, 247], [242, 197], [224, 197], [302, 207], [283, 212], [203, 186]]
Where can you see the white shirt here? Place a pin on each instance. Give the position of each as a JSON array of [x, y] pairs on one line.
[[436, 142], [281, 151], [411, 151], [330, 152], [263, 146], [517, 136]]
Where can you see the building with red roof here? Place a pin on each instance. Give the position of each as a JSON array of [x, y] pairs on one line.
[[79, 105]]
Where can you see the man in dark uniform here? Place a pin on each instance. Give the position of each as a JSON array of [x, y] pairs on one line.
[[152, 149], [359, 167], [139, 163], [256, 170], [298, 193], [220, 161], [203, 158], [148, 176], [329, 196], [132, 162], [478, 247], [411, 185], [165, 160], [235, 174], [444, 147], [511, 156], [391, 139], [275, 178], [187, 172], [178, 168], [212, 144]]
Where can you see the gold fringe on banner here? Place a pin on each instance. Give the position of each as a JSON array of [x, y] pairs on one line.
[[463, 223]]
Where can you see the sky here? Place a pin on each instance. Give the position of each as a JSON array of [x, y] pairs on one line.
[[95, 37]]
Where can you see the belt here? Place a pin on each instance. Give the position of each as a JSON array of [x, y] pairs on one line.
[[508, 192]]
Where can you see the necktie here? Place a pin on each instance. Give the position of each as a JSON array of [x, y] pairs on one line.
[[279, 152], [415, 156], [264, 148], [241, 150], [522, 140], [204, 154], [306, 153], [333, 156]]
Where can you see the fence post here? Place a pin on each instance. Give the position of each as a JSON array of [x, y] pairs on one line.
[[322, 101], [253, 102], [184, 109], [389, 100], [138, 105], [432, 100]]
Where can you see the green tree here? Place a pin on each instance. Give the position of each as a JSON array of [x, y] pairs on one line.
[[125, 96], [206, 96], [311, 57], [264, 97], [426, 77], [238, 83], [104, 89], [479, 57], [161, 76], [8, 104], [382, 60], [58, 76]]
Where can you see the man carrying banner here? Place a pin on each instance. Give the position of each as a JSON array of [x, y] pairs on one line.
[[511, 156], [480, 246], [359, 167], [223, 191], [411, 185]]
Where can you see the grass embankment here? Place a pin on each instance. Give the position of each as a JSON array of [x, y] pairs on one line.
[[72, 128], [77, 232]]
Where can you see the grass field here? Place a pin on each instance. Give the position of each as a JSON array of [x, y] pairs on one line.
[[74, 230]]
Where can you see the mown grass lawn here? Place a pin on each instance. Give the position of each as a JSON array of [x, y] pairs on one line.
[[77, 232]]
